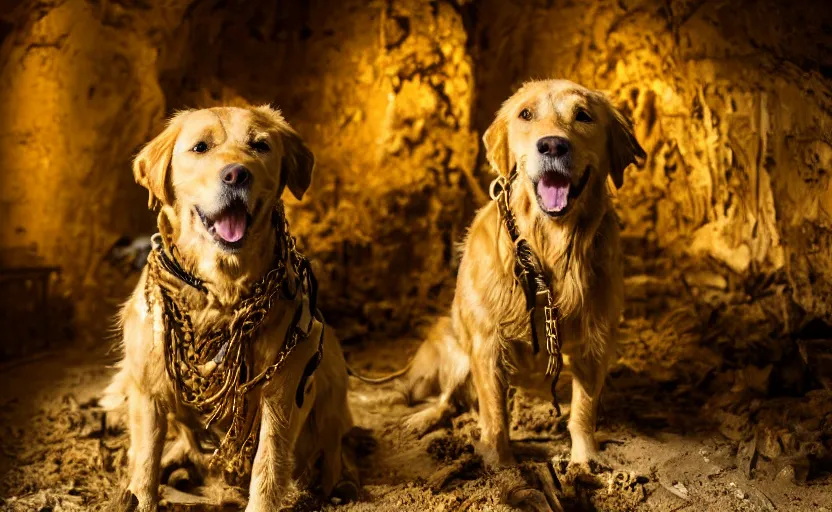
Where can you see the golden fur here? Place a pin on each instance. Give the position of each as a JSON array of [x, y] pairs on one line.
[[181, 181], [484, 345]]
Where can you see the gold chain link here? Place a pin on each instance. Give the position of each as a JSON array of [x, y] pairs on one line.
[[212, 370]]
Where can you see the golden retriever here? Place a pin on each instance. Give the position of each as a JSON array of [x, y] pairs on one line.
[[565, 140], [217, 176]]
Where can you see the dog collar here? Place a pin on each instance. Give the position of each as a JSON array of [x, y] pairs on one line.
[[171, 264]]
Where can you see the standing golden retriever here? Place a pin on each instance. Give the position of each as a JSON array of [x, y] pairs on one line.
[[217, 176], [562, 140]]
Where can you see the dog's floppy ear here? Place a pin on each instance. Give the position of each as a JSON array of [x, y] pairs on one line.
[[298, 161], [624, 149], [152, 164], [496, 146]]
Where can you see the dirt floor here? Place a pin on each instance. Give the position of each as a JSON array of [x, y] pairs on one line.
[[670, 448]]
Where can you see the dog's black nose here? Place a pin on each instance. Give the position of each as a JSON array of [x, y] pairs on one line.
[[553, 146], [235, 175]]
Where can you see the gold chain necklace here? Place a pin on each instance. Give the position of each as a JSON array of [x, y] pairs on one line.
[[212, 370]]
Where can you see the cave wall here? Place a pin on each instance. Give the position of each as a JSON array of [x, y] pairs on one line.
[[732, 102], [382, 92], [78, 95]]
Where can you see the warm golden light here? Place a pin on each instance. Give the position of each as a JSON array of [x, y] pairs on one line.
[[726, 228]]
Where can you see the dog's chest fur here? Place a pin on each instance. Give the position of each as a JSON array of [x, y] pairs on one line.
[[578, 265]]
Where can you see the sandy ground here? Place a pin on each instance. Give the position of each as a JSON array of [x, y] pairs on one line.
[[58, 452]]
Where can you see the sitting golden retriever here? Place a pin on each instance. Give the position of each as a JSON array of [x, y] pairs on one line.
[[553, 144], [221, 330]]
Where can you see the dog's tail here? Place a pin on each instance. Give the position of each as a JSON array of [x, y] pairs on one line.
[[383, 379], [422, 363]]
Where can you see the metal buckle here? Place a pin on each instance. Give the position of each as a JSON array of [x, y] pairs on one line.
[[499, 181], [552, 339], [156, 241]]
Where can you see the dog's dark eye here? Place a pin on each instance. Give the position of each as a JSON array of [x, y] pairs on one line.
[[526, 114], [583, 116], [200, 147], [261, 146]]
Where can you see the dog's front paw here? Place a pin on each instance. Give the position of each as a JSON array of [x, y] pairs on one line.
[[493, 458], [148, 505], [273, 498], [124, 501], [584, 448], [424, 421], [582, 476], [127, 501], [345, 491]]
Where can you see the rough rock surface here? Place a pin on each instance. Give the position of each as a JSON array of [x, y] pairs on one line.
[[382, 93], [78, 95], [731, 101]]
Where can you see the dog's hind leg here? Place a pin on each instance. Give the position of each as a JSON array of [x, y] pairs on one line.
[[339, 473], [454, 368], [182, 452], [422, 422]]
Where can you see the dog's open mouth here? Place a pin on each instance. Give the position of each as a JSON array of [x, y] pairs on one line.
[[555, 191], [229, 225]]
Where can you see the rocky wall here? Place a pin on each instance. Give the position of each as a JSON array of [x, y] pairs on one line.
[[381, 91], [731, 100], [78, 94]]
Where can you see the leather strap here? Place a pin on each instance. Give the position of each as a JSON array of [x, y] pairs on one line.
[[543, 313]]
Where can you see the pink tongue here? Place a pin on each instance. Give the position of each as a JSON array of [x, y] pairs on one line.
[[553, 189], [231, 226]]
